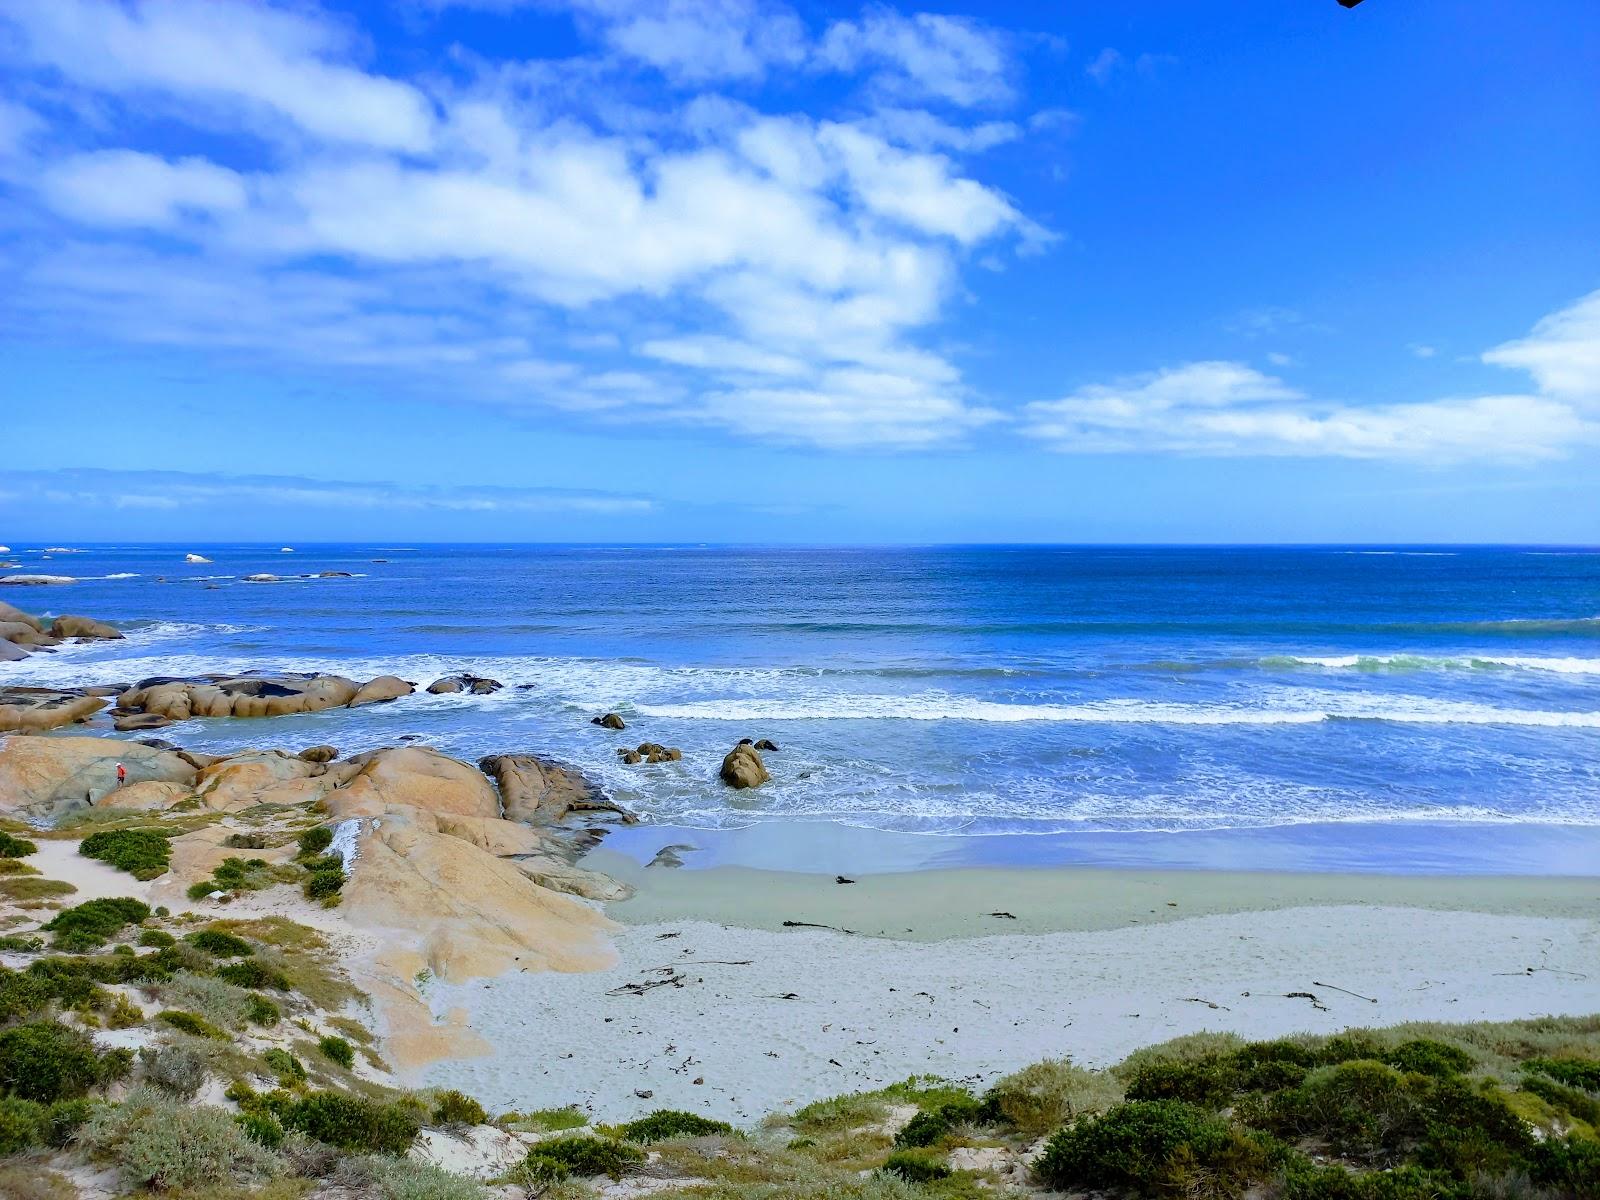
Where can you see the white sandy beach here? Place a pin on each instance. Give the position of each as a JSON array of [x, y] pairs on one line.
[[728, 1040]]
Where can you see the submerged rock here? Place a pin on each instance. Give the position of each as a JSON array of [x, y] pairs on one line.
[[381, 690], [478, 685], [83, 627], [743, 768], [609, 721]]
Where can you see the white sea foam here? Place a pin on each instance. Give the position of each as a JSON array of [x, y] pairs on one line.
[[1423, 662]]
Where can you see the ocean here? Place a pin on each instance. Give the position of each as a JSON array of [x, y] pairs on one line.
[[1407, 708]]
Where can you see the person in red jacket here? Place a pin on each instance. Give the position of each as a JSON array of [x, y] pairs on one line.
[[122, 774]]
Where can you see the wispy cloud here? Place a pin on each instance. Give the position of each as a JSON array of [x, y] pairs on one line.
[[180, 490], [1230, 408]]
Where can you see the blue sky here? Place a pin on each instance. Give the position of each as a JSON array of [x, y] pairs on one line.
[[740, 270]]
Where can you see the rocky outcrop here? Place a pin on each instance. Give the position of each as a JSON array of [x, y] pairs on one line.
[[83, 627], [34, 580], [10, 615], [134, 722], [34, 710], [268, 777], [43, 779], [742, 767], [318, 754], [477, 685], [540, 791], [766, 744], [609, 721], [414, 778]]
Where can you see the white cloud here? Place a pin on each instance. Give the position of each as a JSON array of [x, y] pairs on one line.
[[484, 236], [953, 59], [124, 187], [1562, 353], [1103, 65], [263, 59], [699, 40], [1226, 408], [1422, 351]]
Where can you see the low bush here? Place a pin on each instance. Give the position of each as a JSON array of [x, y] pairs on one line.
[[15, 866], [165, 1144], [402, 1179], [1046, 1095], [219, 944], [252, 974], [353, 1123], [1423, 1056], [314, 841], [1362, 1110], [324, 885], [23, 1125], [1569, 1166], [24, 889], [261, 1128], [336, 1049], [47, 1061], [143, 853], [289, 1070], [190, 1023], [261, 1011], [12, 846], [582, 1157], [245, 841], [932, 1124], [234, 875], [21, 945], [175, 1068], [547, 1120], [916, 1166], [1155, 1147], [218, 1001], [1574, 1072], [670, 1123], [457, 1108], [155, 937], [89, 925]]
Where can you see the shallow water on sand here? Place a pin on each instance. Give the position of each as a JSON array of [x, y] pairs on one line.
[[1119, 697]]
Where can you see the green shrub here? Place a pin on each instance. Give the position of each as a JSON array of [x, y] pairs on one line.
[[324, 885], [262, 1011], [261, 1128], [143, 853], [1209, 1082], [1425, 1057], [88, 925], [65, 1118], [1471, 1132], [354, 1123], [1363, 1110], [21, 945], [932, 1124], [15, 866], [1569, 1166], [457, 1108], [669, 1123], [155, 937], [336, 1049], [23, 994], [166, 1144], [219, 944], [45, 1061], [1574, 1072], [1045, 1096], [219, 1002], [23, 1125], [187, 1022], [287, 1067], [583, 1157], [403, 1179], [1304, 1181], [252, 974], [245, 841], [916, 1166], [15, 847], [548, 1120], [175, 1068], [1155, 1148], [314, 841]]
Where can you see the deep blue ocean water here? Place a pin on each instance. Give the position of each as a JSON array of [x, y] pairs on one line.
[[975, 691]]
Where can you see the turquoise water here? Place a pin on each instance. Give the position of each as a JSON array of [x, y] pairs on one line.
[[1110, 697]]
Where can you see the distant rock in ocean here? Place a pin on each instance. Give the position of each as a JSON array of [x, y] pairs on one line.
[[196, 558]]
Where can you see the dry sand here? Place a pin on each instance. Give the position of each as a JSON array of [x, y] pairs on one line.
[[761, 1017]]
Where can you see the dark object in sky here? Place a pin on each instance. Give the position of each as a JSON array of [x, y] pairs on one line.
[[1349, 3]]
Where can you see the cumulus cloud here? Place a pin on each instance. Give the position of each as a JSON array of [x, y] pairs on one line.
[[483, 232], [1230, 408]]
